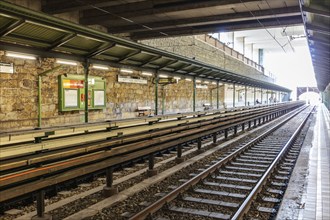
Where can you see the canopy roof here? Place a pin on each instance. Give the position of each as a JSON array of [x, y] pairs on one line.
[[316, 16], [27, 31]]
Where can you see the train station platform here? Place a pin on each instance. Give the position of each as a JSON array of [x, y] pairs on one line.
[[308, 194]]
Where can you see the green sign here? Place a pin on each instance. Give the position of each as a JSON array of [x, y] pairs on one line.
[[72, 92]]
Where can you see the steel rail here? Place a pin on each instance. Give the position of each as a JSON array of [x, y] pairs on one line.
[[98, 165], [247, 202], [7, 152], [126, 138], [173, 194], [13, 137]]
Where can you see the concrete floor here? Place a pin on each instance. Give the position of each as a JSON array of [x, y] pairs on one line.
[[308, 194]]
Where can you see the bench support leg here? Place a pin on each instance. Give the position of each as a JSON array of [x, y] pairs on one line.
[[41, 207], [109, 190], [151, 171], [179, 158]]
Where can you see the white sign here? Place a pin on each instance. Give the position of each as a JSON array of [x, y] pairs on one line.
[[132, 80], [98, 98], [6, 67], [91, 81], [70, 98], [201, 86]]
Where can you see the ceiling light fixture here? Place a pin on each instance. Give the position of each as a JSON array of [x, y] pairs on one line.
[[147, 74], [20, 55], [66, 62], [163, 76], [100, 67], [126, 71]]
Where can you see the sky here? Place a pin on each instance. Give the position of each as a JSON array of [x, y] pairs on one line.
[[292, 69]]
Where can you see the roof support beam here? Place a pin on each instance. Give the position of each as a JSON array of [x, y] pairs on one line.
[[218, 19], [321, 12], [101, 49], [135, 9], [317, 28], [62, 41], [11, 27], [232, 26]]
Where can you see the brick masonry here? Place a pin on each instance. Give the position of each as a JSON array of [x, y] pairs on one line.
[[19, 95], [194, 47]]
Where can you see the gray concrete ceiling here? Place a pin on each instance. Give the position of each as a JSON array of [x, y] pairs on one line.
[[141, 19]]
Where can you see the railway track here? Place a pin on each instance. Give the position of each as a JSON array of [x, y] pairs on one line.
[[29, 183], [226, 189]]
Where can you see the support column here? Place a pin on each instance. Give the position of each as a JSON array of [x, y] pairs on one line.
[[41, 207], [226, 133], [39, 102], [109, 190], [86, 71], [199, 144], [267, 97], [261, 57], [151, 171], [179, 158], [235, 129], [194, 94], [218, 95], [163, 100], [214, 138], [245, 96], [254, 95], [156, 94], [234, 95], [261, 96]]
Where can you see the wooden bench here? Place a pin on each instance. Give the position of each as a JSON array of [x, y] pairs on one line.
[[144, 111], [207, 106]]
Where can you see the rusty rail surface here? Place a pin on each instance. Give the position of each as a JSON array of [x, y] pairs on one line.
[[184, 187], [106, 157]]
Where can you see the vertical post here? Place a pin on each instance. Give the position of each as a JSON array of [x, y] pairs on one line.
[[39, 101], [194, 94], [109, 190], [151, 171], [41, 207], [179, 158], [254, 95], [109, 175], [267, 97], [86, 71], [233, 95], [163, 100], [214, 138], [261, 96], [41, 203], [151, 161], [218, 95], [199, 144], [226, 133], [245, 96], [156, 94]]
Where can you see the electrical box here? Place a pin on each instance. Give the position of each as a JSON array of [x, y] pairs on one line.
[[72, 92]]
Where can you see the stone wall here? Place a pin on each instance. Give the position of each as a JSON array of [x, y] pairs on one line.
[[193, 47], [19, 95]]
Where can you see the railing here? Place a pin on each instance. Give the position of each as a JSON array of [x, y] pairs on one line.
[[218, 44]]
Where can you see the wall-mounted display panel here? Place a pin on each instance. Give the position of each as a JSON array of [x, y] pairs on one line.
[[72, 92]]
